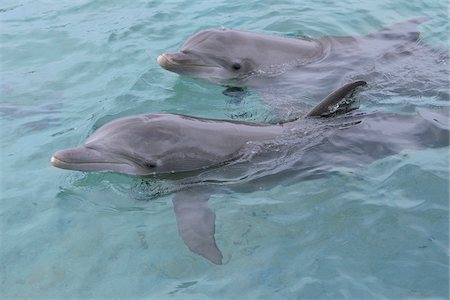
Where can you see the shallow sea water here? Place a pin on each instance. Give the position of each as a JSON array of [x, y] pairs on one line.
[[381, 231]]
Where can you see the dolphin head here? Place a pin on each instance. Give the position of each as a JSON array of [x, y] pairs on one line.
[[117, 146], [137, 145], [161, 143], [228, 56], [212, 55]]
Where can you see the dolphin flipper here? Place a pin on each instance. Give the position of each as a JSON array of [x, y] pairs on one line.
[[325, 106], [195, 222]]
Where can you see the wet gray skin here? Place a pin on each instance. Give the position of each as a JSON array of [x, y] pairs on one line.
[[315, 148], [314, 145], [277, 67], [162, 143], [168, 143], [234, 57], [228, 56]]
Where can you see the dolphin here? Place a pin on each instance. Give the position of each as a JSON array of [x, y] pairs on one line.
[[280, 65], [231, 57], [165, 143], [235, 57], [316, 147], [196, 153]]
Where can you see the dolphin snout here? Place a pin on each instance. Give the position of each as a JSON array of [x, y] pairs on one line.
[[73, 158], [175, 58], [162, 60], [179, 59]]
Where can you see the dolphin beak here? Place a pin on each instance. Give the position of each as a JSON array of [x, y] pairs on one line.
[[180, 60], [82, 159], [164, 60], [76, 155], [87, 159]]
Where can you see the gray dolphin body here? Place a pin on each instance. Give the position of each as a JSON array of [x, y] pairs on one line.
[[167, 143], [185, 145], [232, 57], [240, 58], [161, 143], [276, 67]]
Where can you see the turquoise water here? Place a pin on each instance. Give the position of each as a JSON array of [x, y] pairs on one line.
[[378, 231]]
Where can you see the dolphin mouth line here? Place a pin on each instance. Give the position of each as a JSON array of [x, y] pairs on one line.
[[164, 60], [59, 162]]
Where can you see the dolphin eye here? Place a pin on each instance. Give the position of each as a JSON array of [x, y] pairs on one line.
[[236, 66], [150, 165]]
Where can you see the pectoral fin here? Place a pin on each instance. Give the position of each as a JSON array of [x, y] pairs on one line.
[[325, 107], [196, 225]]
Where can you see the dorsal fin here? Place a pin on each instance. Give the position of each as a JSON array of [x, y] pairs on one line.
[[323, 108], [405, 30]]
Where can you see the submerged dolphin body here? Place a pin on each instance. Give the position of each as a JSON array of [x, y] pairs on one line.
[[161, 143], [241, 58], [191, 147], [283, 66], [352, 140]]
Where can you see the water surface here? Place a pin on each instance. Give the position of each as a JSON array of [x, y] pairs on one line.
[[377, 231]]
